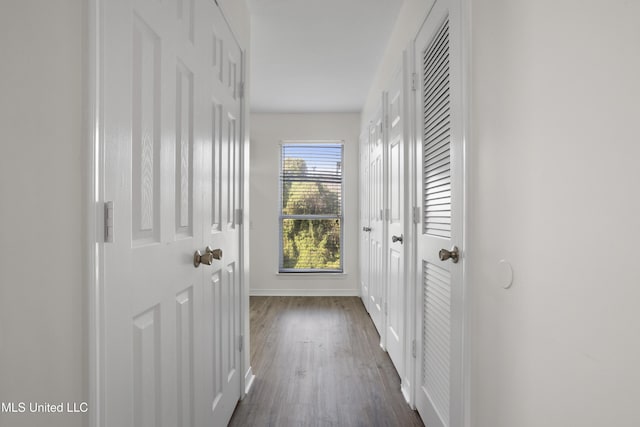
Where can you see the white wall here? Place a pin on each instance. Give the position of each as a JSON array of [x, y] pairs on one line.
[[267, 132], [555, 177], [237, 13], [410, 18], [553, 165], [42, 292]]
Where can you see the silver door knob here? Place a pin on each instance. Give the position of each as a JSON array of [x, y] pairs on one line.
[[199, 258], [367, 229], [395, 239], [215, 253], [453, 254]]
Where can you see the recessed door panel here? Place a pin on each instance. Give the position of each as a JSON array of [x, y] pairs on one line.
[[185, 356], [216, 167], [184, 150], [145, 129], [147, 372]]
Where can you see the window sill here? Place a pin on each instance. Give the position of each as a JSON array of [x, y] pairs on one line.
[[313, 275]]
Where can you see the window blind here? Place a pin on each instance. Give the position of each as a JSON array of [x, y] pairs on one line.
[[311, 207], [311, 179]]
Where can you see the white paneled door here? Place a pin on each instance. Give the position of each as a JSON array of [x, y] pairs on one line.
[[440, 305], [396, 219], [365, 223], [377, 178], [171, 76]]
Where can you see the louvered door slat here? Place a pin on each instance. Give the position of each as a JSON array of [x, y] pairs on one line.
[[439, 145], [437, 136], [436, 338], [438, 49], [435, 80], [440, 160], [436, 112], [437, 131], [439, 167]]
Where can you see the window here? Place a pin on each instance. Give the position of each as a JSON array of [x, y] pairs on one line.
[[311, 212]]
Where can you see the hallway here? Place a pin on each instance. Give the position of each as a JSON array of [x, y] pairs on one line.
[[318, 363]]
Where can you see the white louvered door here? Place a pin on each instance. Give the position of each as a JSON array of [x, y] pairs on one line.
[[439, 311]]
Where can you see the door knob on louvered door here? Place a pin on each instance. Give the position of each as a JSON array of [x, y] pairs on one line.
[[453, 254], [215, 253], [199, 258]]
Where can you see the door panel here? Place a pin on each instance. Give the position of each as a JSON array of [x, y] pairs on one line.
[[439, 306], [170, 116], [221, 166], [396, 196]]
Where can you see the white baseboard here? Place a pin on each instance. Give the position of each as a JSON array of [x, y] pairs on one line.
[[404, 388], [304, 292], [248, 380]]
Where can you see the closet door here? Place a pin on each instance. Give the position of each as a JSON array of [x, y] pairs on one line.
[[440, 304], [365, 223], [170, 73], [395, 258], [377, 220], [220, 113]]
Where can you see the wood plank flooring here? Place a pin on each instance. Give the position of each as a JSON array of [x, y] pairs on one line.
[[318, 362]]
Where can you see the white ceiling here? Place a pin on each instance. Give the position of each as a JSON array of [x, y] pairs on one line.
[[316, 55]]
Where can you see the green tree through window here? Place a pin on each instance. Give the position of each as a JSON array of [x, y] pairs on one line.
[[311, 207]]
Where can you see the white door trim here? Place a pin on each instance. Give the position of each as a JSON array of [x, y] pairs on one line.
[[465, 78], [94, 203]]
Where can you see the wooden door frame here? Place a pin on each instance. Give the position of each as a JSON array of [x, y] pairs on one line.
[[415, 203], [94, 222]]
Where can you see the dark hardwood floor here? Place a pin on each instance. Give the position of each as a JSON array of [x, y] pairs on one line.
[[318, 362]]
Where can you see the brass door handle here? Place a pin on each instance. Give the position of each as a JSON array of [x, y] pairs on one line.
[[215, 253], [454, 254], [399, 238], [199, 258]]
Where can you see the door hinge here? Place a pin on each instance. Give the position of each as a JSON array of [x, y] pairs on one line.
[[386, 309], [387, 214], [108, 222], [416, 215], [241, 89], [413, 348], [386, 121], [241, 344], [239, 216], [414, 81]]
